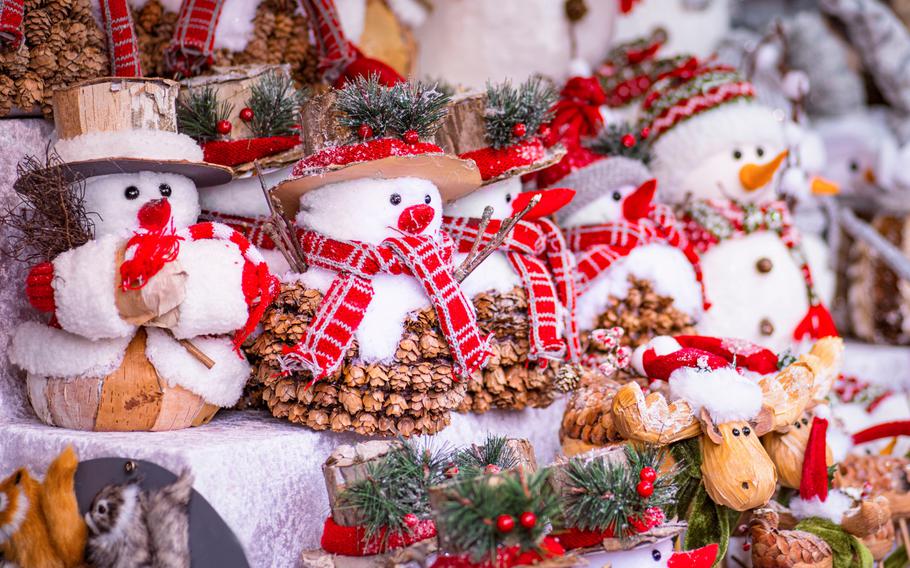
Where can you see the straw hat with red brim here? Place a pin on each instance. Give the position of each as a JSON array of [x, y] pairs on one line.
[[382, 158]]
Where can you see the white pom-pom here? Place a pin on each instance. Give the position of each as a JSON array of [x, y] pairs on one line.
[[795, 84], [767, 57], [578, 67]]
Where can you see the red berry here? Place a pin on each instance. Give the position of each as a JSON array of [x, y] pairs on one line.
[[647, 474], [505, 523], [645, 132], [746, 547], [411, 137], [519, 130], [544, 130], [528, 519], [410, 520], [365, 131], [452, 471], [492, 469], [645, 488], [246, 114], [224, 126], [628, 141]]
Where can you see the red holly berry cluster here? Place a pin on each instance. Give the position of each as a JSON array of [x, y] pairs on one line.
[[506, 523], [246, 114], [645, 487]]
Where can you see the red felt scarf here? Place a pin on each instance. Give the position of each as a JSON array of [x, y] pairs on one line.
[[336, 52], [11, 14], [322, 348], [123, 47], [537, 250], [353, 541], [194, 37]]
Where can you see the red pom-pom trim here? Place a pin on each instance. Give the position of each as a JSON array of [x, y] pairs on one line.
[[236, 152], [351, 541], [363, 152], [494, 162]]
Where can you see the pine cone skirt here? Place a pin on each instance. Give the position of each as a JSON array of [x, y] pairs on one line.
[[510, 380], [413, 395]]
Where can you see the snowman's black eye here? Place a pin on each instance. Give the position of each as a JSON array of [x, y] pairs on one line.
[[508, 198], [736, 431], [427, 199], [617, 196], [165, 190], [131, 192], [737, 154], [655, 554], [760, 151], [746, 431], [395, 199], [805, 421], [854, 167]]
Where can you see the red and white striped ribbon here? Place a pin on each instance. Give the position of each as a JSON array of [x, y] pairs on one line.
[[123, 48]]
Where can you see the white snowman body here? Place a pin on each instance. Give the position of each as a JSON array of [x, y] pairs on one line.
[[470, 43], [693, 27], [665, 266], [656, 555], [93, 337], [244, 197], [367, 210]]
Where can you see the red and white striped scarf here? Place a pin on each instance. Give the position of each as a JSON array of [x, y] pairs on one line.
[[336, 52], [123, 48], [253, 228], [321, 350], [536, 250], [12, 13], [597, 247], [194, 37]]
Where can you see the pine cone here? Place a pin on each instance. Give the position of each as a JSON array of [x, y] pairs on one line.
[[7, 93], [643, 314], [30, 90], [37, 26], [149, 16], [15, 64], [44, 61], [774, 548]]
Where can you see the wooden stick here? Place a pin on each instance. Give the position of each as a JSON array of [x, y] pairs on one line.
[[281, 229], [905, 534], [193, 350], [481, 231], [473, 261]]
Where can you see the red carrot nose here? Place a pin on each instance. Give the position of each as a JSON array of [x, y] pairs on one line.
[[638, 203], [415, 218], [154, 214]]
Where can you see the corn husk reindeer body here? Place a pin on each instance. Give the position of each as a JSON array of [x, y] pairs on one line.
[[725, 409]]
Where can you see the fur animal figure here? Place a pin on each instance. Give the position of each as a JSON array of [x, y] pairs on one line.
[[119, 536], [40, 525], [167, 515]]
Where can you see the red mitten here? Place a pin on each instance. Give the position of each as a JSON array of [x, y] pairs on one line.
[[38, 287]]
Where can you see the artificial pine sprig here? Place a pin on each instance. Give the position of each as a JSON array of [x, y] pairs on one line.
[[397, 485], [493, 456], [199, 114], [364, 102], [275, 103], [417, 107], [622, 139], [601, 494], [472, 512], [513, 115]]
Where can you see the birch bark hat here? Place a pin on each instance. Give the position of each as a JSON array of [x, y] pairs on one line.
[[367, 130], [120, 125]]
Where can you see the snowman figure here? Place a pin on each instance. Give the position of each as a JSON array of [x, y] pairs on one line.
[[152, 297], [716, 153], [659, 553], [694, 27], [369, 214], [533, 261]]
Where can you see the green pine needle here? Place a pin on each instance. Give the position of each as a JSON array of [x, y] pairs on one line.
[[396, 485], [473, 460], [418, 107], [530, 104], [467, 517], [199, 114], [610, 143], [601, 494], [364, 101], [275, 103]]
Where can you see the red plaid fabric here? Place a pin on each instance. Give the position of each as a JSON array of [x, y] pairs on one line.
[[322, 348], [259, 286], [123, 48], [194, 37], [253, 228], [536, 250], [11, 14], [335, 51], [707, 223]]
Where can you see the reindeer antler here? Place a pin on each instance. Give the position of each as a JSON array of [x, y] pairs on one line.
[[825, 359], [787, 394], [650, 419]]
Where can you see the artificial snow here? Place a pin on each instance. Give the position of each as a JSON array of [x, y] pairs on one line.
[[494, 274], [235, 25], [498, 195], [141, 144], [833, 508], [47, 351], [242, 196], [724, 393]]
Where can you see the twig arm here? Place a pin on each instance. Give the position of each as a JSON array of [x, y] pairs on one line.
[[473, 261]]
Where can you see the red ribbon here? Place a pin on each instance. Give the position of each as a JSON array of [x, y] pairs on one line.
[[353, 541], [123, 48], [12, 13]]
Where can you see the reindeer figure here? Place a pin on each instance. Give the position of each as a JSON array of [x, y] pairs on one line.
[[714, 400]]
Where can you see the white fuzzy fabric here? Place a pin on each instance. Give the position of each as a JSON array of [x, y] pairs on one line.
[[394, 297], [50, 352], [84, 281], [235, 26], [114, 214], [242, 196], [361, 210], [410, 12], [818, 257], [662, 345], [833, 508], [680, 153], [666, 267], [603, 209], [221, 385], [641, 556], [495, 273], [724, 393], [498, 195], [689, 31], [12, 527], [278, 264], [146, 144], [352, 16], [214, 301], [741, 296]]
